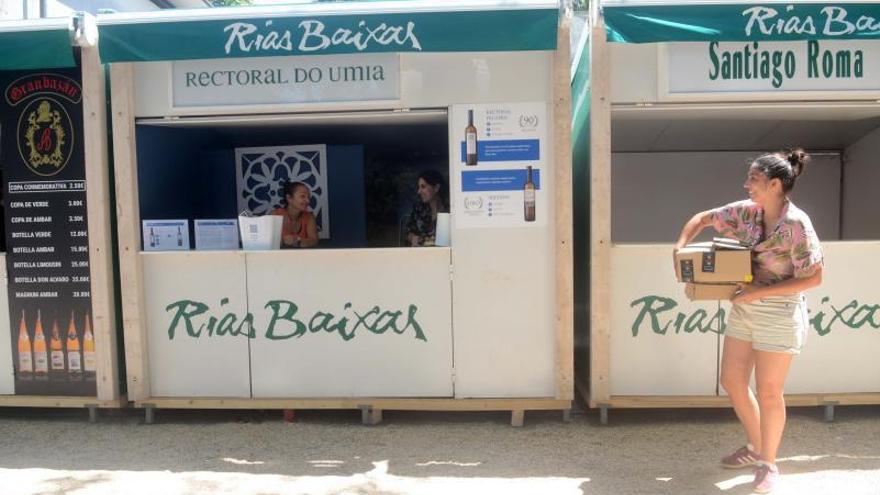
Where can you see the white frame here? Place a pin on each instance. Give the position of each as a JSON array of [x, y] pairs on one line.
[[663, 95], [264, 108]]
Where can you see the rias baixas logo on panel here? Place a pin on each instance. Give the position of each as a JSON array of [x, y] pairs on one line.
[[45, 129]]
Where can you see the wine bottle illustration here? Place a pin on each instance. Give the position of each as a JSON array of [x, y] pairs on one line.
[[89, 363], [25, 350], [56, 356], [529, 197], [470, 138], [74, 360], [41, 357]]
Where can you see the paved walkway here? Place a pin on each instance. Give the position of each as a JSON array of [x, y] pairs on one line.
[[253, 452]]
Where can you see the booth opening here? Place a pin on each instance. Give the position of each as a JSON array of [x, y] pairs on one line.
[[362, 170], [683, 159]]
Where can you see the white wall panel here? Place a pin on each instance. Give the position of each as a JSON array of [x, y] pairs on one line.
[[633, 72], [844, 336], [503, 289], [661, 343], [207, 365], [321, 361]]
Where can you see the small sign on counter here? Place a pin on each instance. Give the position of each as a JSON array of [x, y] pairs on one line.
[[166, 235], [213, 235]]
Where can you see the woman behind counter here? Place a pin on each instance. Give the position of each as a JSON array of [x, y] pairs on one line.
[[298, 229], [422, 222]]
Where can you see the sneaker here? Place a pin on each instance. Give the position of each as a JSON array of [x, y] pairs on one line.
[[744, 457], [765, 479]]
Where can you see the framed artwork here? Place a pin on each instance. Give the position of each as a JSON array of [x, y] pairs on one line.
[[262, 171]]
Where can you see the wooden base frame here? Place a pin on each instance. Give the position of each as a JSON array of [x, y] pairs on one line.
[[60, 401], [719, 401], [797, 400], [371, 408]]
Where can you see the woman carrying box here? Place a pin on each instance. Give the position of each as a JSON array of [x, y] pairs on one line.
[[768, 322]]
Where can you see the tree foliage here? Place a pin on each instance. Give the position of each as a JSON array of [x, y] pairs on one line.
[[231, 3]]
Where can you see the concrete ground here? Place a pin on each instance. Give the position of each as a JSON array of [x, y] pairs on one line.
[[330, 452]]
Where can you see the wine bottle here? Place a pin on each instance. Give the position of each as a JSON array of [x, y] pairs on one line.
[[56, 356], [74, 360], [89, 363], [470, 138], [179, 237], [529, 197], [41, 357], [25, 358]]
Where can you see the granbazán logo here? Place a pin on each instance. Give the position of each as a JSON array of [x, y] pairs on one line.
[[45, 132], [42, 84]]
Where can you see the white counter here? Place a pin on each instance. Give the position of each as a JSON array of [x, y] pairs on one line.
[[664, 345], [325, 323]]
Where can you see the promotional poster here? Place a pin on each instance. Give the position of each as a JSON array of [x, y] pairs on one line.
[[47, 249]]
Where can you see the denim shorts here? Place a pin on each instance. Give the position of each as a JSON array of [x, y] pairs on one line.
[[774, 324]]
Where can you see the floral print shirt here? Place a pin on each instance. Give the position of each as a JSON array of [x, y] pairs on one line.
[[790, 250], [421, 222]]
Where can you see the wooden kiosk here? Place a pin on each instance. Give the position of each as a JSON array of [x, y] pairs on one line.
[[211, 109], [57, 309], [683, 97]]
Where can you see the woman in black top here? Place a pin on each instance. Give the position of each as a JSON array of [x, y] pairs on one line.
[[422, 222]]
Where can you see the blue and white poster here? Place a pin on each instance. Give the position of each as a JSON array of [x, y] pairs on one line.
[[499, 165]]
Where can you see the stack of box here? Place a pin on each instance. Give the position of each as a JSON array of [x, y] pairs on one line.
[[712, 270]]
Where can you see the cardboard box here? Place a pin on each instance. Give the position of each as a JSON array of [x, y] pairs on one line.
[[720, 261], [709, 292]]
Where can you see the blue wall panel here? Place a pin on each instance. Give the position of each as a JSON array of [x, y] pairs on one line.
[[190, 173]]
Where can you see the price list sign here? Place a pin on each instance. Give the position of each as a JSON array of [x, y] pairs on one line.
[[47, 246]]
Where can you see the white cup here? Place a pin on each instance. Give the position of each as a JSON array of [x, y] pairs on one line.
[[441, 237]]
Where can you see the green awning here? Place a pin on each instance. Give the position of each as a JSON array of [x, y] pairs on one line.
[[652, 22], [36, 44], [329, 28]]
